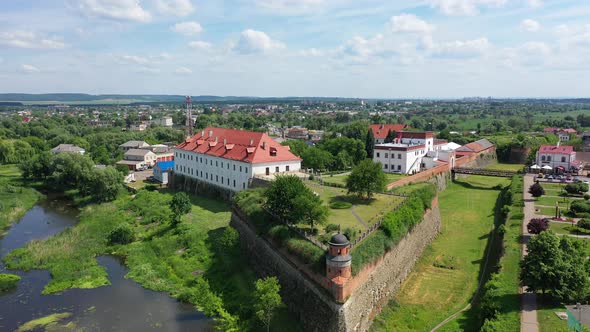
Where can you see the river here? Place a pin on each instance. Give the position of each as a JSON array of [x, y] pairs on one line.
[[122, 306]]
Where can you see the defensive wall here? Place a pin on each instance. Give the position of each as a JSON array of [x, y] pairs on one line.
[[307, 294]]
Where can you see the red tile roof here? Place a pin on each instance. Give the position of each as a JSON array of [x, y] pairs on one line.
[[245, 146], [417, 134], [381, 130], [554, 149]]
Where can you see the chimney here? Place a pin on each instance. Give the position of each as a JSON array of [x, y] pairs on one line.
[[216, 139], [251, 142], [210, 133], [263, 145], [225, 141], [203, 133], [381, 126]]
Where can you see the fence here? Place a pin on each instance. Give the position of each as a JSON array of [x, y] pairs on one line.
[[373, 228]]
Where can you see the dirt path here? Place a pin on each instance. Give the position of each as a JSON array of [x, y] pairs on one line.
[[528, 313], [358, 218]]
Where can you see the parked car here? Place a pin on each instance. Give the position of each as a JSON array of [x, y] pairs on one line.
[[549, 177], [569, 177]]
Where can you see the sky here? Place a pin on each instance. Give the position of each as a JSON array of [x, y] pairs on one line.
[[337, 48]]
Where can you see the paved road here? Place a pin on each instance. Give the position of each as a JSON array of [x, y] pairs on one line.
[[528, 314]]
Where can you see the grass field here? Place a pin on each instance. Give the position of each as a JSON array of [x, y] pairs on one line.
[[15, 197], [567, 228], [341, 179], [368, 211], [548, 211], [505, 167], [430, 294], [551, 200], [548, 320]]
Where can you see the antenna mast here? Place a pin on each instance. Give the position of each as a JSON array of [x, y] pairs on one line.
[[189, 121]]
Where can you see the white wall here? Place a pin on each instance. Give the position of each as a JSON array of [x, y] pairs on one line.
[[556, 160]]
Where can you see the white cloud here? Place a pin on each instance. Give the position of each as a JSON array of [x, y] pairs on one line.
[[410, 23], [252, 41], [175, 7], [535, 3], [29, 69], [530, 25], [122, 10], [562, 29], [462, 49], [28, 39], [464, 7], [136, 59], [311, 52], [187, 28], [147, 70], [200, 45], [290, 6], [183, 71], [536, 48]]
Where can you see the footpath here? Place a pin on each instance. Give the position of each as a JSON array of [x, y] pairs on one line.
[[528, 313]]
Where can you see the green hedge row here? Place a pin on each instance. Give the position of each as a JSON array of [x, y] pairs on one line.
[[396, 224]]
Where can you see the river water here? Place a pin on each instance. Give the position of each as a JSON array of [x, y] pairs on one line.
[[122, 306]]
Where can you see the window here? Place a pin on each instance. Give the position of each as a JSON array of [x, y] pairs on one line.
[[548, 158], [246, 169], [228, 181], [222, 164], [399, 167], [277, 169], [243, 185], [222, 180], [542, 158], [563, 159], [378, 155], [386, 156], [287, 168], [385, 166], [399, 156], [240, 168], [234, 182], [207, 176], [216, 164], [216, 178], [234, 169]]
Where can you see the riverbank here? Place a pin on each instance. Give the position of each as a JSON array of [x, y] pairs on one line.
[[197, 262], [15, 198], [447, 274]]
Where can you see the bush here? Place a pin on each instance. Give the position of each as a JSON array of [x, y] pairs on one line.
[[350, 232], [331, 228], [373, 247], [340, 205], [230, 238], [576, 188], [122, 234], [307, 252], [536, 190], [501, 230], [580, 206], [587, 196], [280, 233], [504, 211], [537, 225], [584, 223], [8, 281]]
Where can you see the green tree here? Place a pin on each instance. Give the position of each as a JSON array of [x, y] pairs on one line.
[[107, 184], [100, 155], [281, 195], [310, 209], [539, 266], [297, 147], [391, 136], [180, 205], [267, 299], [536, 190], [369, 143], [366, 178], [317, 159]]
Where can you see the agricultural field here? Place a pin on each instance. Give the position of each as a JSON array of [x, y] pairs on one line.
[[446, 276]]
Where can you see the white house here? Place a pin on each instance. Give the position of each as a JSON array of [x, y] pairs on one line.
[[164, 122], [162, 170], [68, 148], [229, 158], [406, 154], [558, 157], [136, 158]]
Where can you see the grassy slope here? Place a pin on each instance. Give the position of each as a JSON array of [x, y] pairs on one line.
[[430, 294], [341, 179], [166, 260], [505, 167], [15, 197]]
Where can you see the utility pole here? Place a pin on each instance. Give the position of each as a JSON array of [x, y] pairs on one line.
[[189, 120]]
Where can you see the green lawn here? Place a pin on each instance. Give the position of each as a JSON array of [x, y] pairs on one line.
[[369, 211], [548, 320], [430, 293], [548, 211], [506, 167], [567, 228], [408, 189], [15, 196], [551, 200], [341, 179]]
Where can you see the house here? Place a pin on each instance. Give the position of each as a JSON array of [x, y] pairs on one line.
[[478, 147], [133, 145], [138, 127], [69, 148], [563, 134], [230, 158], [163, 152], [135, 159], [407, 152], [297, 133], [561, 158], [164, 122], [162, 170], [380, 131]]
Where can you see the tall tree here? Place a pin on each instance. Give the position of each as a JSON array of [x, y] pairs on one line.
[[310, 209], [366, 178], [107, 184], [180, 205], [369, 143], [267, 299], [391, 136], [281, 194], [539, 265]]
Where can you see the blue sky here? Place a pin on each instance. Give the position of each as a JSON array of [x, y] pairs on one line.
[[347, 48]]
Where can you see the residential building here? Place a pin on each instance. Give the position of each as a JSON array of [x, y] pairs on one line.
[[405, 155], [138, 158], [69, 148], [163, 152], [230, 158], [380, 131], [138, 127], [297, 133], [162, 171], [164, 122], [558, 157], [133, 145], [478, 147], [563, 134]]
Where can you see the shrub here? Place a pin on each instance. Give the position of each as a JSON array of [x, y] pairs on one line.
[[580, 206], [576, 188], [504, 211], [340, 205], [230, 238], [280, 233], [536, 190], [331, 228], [8, 281], [587, 196], [537, 225], [584, 223], [501, 230], [373, 247], [306, 251], [122, 234], [350, 232]]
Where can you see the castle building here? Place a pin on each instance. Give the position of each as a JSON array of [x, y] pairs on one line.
[[230, 158], [338, 266]]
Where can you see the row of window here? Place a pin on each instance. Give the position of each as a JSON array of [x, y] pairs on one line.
[[549, 158], [399, 155], [209, 177], [209, 162], [399, 167]]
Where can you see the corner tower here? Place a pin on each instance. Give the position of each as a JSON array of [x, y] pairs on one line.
[[338, 266]]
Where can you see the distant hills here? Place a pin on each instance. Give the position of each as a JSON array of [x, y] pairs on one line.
[[82, 98]]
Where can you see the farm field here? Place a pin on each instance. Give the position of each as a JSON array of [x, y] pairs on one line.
[[446, 276]]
